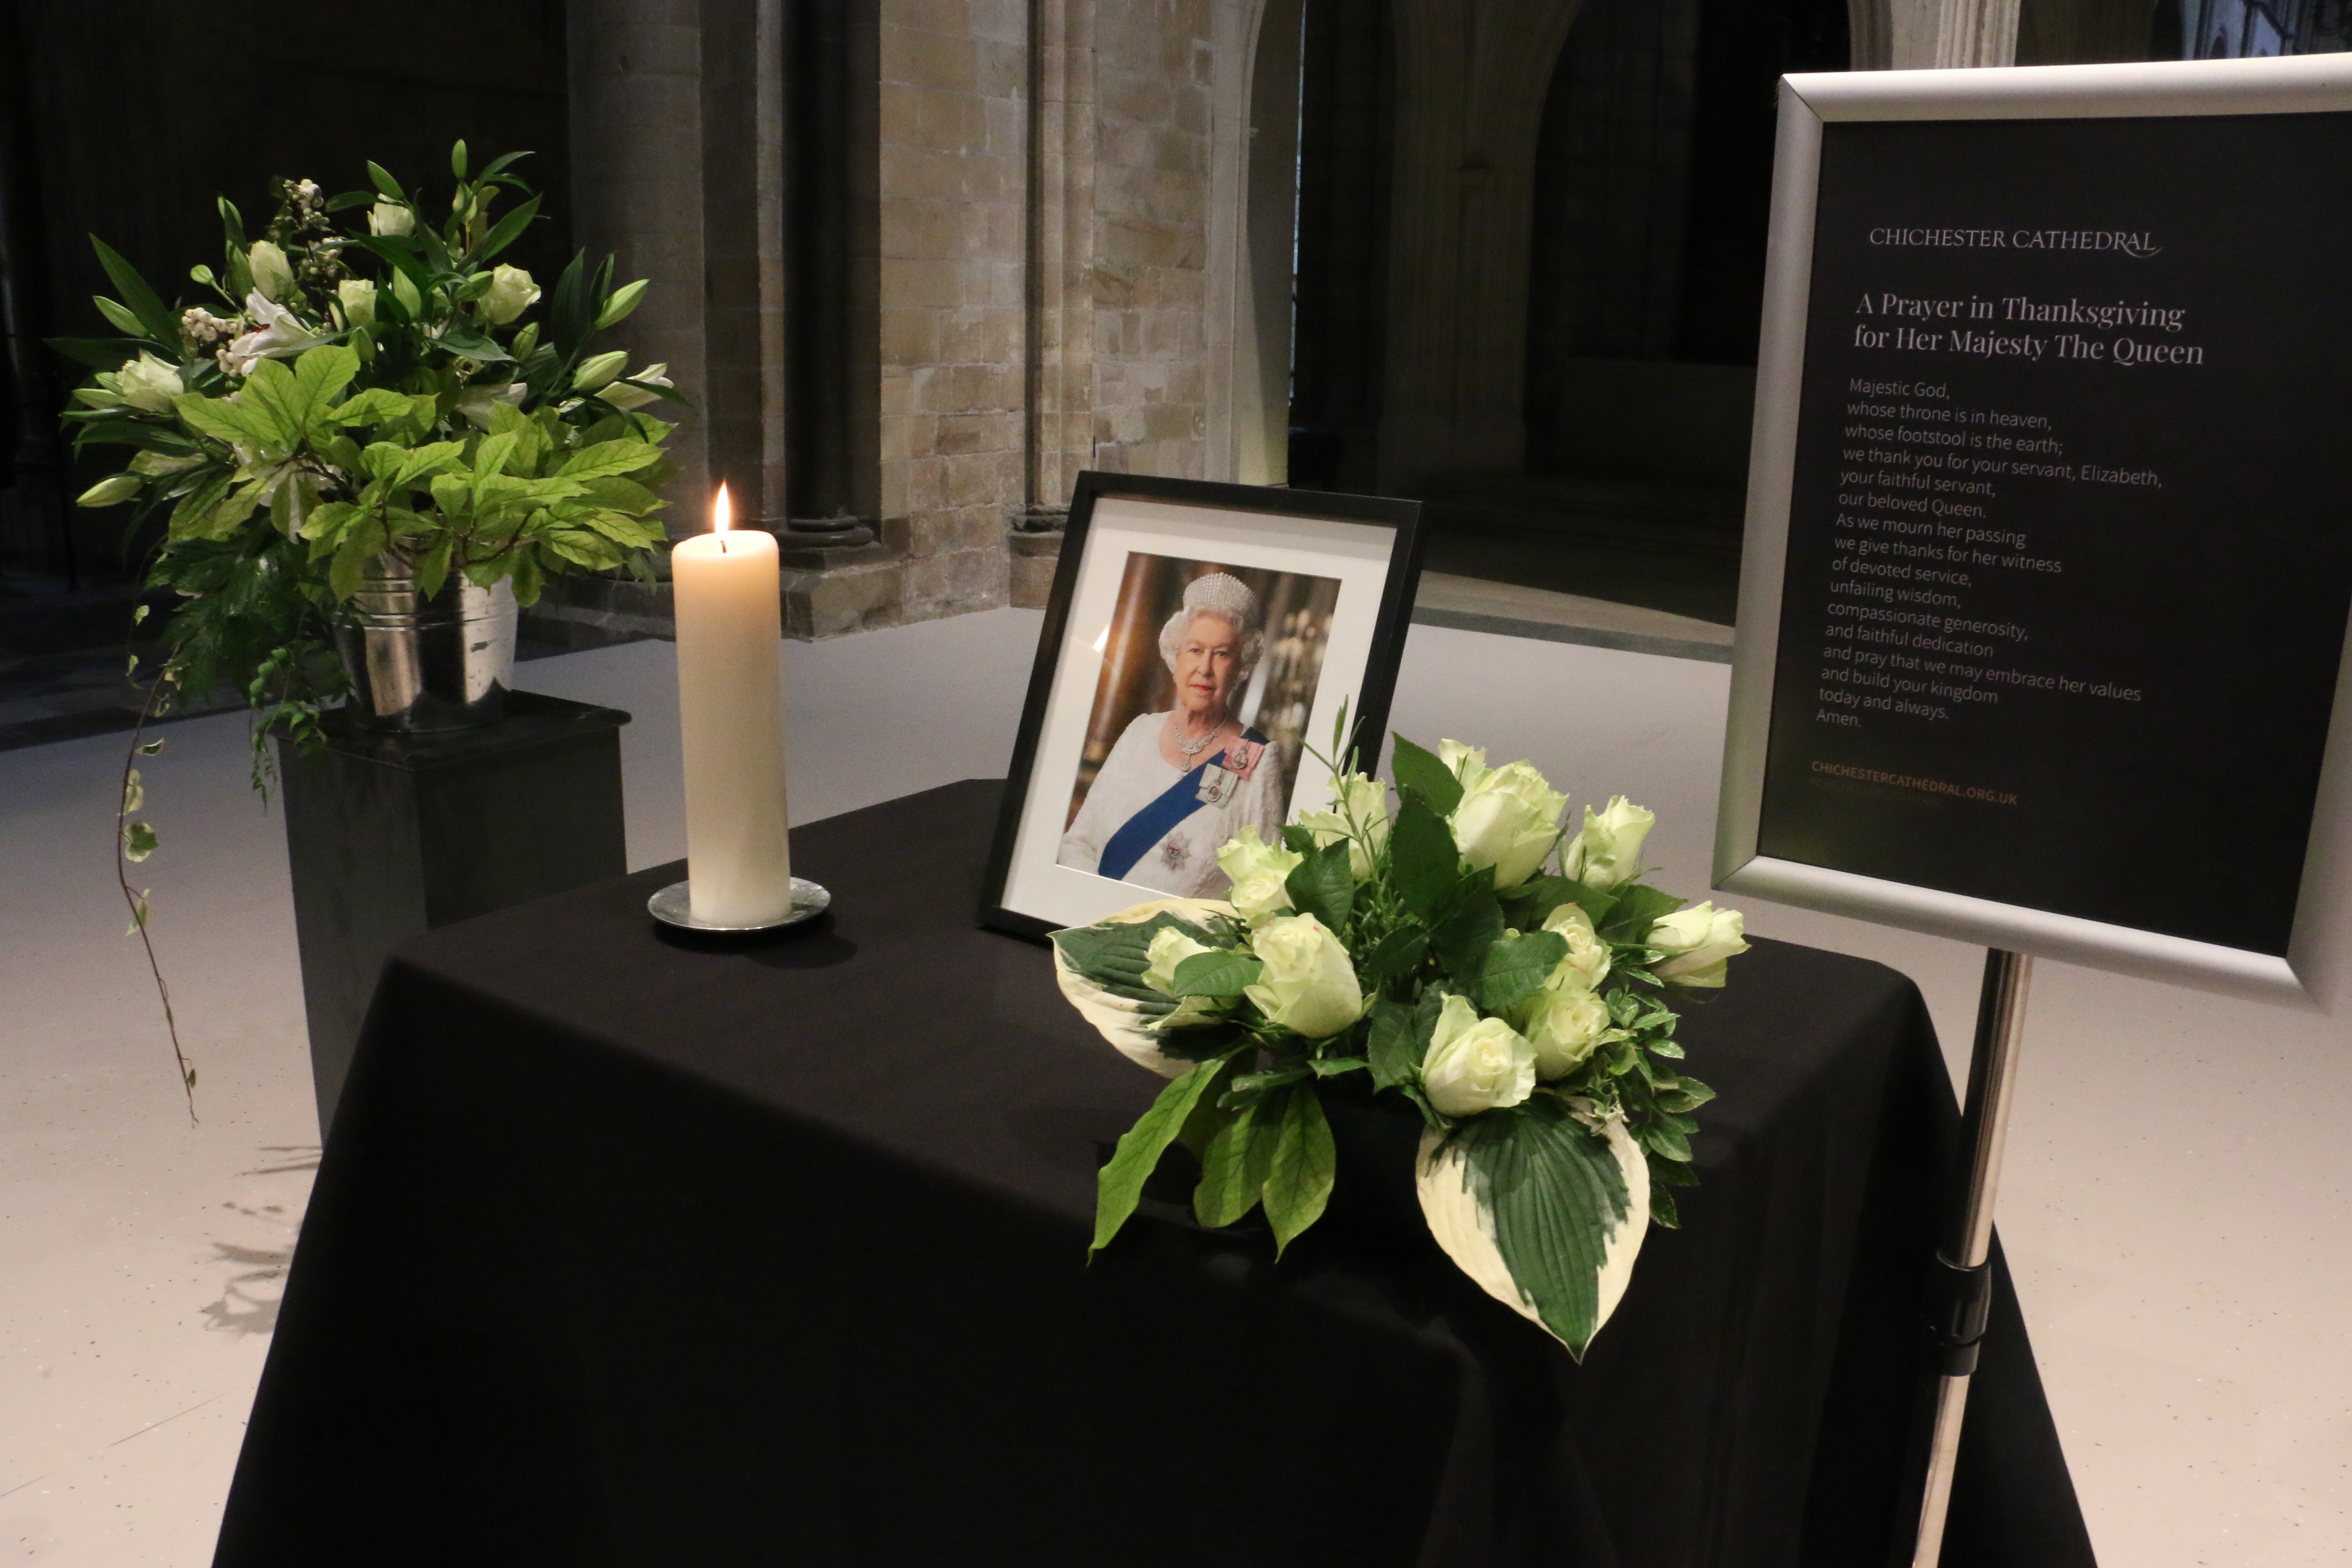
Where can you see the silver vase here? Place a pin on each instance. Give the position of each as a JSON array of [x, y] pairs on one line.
[[419, 664]]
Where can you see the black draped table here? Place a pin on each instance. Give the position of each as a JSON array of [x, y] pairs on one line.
[[630, 1249]]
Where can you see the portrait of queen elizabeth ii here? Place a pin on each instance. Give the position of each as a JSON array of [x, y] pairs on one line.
[[1215, 746]]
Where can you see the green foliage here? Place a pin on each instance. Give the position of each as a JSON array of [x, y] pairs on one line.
[[1322, 886], [1555, 1193], [1306, 1162], [1217, 974], [1120, 1183], [1423, 934], [1420, 773], [426, 420]]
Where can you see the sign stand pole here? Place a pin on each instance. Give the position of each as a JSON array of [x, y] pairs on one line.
[[1963, 1292]]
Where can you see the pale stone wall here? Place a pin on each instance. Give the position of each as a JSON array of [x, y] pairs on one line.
[[955, 182], [1154, 73]]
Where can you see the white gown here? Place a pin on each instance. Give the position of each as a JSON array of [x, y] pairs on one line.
[[1184, 860]]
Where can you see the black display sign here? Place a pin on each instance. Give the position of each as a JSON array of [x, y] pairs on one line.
[[2070, 534]]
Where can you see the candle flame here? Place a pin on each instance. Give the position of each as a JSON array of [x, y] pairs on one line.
[[722, 512]]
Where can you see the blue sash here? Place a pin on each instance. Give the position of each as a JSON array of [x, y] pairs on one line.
[[1149, 827]]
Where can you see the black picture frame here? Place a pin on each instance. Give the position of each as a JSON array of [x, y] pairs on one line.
[[1368, 723]]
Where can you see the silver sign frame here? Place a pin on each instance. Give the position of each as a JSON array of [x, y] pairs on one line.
[[2310, 974]]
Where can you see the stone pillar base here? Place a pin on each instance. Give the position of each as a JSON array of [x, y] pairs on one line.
[[1036, 543]]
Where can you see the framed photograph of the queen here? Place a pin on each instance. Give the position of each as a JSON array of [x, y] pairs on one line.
[[1199, 646]]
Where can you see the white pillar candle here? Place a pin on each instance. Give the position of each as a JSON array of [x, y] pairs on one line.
[[731, 705]]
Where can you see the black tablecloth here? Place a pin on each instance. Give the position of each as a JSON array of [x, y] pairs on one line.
[[629, 1249]]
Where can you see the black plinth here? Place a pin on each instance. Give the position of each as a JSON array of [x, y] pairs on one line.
[[388, 835]]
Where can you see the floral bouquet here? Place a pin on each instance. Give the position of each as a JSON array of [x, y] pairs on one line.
[[1462, 951], [346, 395]]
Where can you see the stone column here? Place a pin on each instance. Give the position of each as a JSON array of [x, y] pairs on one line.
[[636, 170], [1061, 329], [1921, 34]]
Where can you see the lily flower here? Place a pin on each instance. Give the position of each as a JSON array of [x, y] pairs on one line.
[[280, 335]]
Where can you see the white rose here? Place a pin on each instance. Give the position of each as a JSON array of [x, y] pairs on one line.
[[1366, 801], [1475, 1064], [1308, 986], [1608, 849], [271, 275], [1562, 1028], [1509, 817], [148, 383], [1170, 947], [511, 292], [358, 295], [1259, 871], [390, 217], [1587, 963], [1699, 942]]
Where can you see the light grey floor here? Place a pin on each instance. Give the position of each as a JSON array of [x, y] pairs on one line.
[[2180, 1186]]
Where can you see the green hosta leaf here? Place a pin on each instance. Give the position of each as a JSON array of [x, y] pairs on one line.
[[1322, 886], [1556, 1194], [1120, 1183], [1236, 1162], [1637, 909], [1398, 954], [1420, 771], [1113, 956], [1515, 966], [1464, 937], [1216, 973], [1422, 859], [1298, 1184], [609, 458]]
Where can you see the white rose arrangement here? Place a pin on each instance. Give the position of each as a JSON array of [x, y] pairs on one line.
[[1467, 956]]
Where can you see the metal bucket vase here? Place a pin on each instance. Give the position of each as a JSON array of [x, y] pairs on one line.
[[418, 664]]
